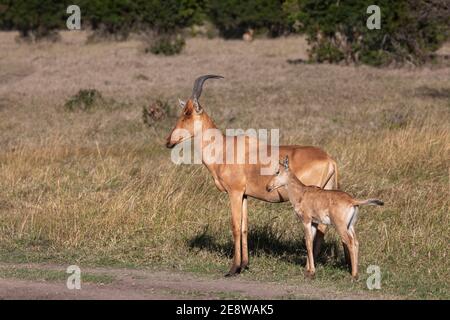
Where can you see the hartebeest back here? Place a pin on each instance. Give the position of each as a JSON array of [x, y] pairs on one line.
[[311, 165]]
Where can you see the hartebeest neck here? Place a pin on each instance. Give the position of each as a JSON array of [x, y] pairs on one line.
[[295, 189], [208, 124]]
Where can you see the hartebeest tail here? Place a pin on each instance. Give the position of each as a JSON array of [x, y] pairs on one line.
[[332, 172], [370, 202]]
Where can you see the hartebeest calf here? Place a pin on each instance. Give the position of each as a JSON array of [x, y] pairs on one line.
[[314, 205], [310, 164]]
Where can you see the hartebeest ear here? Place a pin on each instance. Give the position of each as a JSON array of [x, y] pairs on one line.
[[197, 106], [181, 103]]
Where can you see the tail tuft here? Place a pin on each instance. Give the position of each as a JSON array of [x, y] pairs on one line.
[[376, 202], [373, 202]]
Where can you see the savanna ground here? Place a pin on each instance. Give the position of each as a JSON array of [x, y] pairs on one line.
[[97, 188]]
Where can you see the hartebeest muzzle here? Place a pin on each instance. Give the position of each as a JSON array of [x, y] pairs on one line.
[[170, 144]]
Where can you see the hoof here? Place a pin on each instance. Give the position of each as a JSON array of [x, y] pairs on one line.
[[309, 274], [355, 278], [244, 267], [233, 272]]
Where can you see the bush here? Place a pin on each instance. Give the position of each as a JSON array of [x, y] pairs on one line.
[[167, 45], [155, 112], [337, 31], [234, 17], [85, 100], [34, 19]]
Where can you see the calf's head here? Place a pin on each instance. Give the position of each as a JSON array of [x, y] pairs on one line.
[[281, 177]]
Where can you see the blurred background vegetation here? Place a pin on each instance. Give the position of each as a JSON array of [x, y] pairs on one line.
[[411, 30]]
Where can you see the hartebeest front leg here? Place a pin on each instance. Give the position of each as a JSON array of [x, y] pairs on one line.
[[314, 228], [244, 234], [310, 268], [236, 199]]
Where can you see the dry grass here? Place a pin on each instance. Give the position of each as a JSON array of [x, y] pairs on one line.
[[98, 187]]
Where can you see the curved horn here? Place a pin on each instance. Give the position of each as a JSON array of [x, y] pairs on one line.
[[198, 84]]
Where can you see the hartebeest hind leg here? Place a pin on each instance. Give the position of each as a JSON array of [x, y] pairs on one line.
[[328, 181], [354, 259], [244, 235], [236, 199], [348, 237], [319, 239], [347, 256]]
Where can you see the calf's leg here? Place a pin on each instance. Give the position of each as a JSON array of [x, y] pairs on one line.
[[310, 268]]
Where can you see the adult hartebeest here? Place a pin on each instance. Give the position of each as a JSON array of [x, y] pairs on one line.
[[311, 165]]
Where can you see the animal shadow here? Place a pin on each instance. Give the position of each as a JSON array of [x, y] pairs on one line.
[[264, 241]]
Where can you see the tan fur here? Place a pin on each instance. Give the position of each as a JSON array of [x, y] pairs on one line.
[[310, 164], [314, 205]]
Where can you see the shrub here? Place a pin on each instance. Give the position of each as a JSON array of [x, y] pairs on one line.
[[234, 17], [84, 100], [337, 31], [155, 112], [167, 45]]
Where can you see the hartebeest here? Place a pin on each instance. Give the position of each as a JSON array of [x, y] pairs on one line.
[[310, 164], [314, 205]]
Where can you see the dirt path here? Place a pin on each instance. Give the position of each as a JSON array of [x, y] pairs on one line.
[[148, 284]]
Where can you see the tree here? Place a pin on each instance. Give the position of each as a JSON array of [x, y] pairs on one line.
[[34, 19], [337, 30], [234, 17]]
